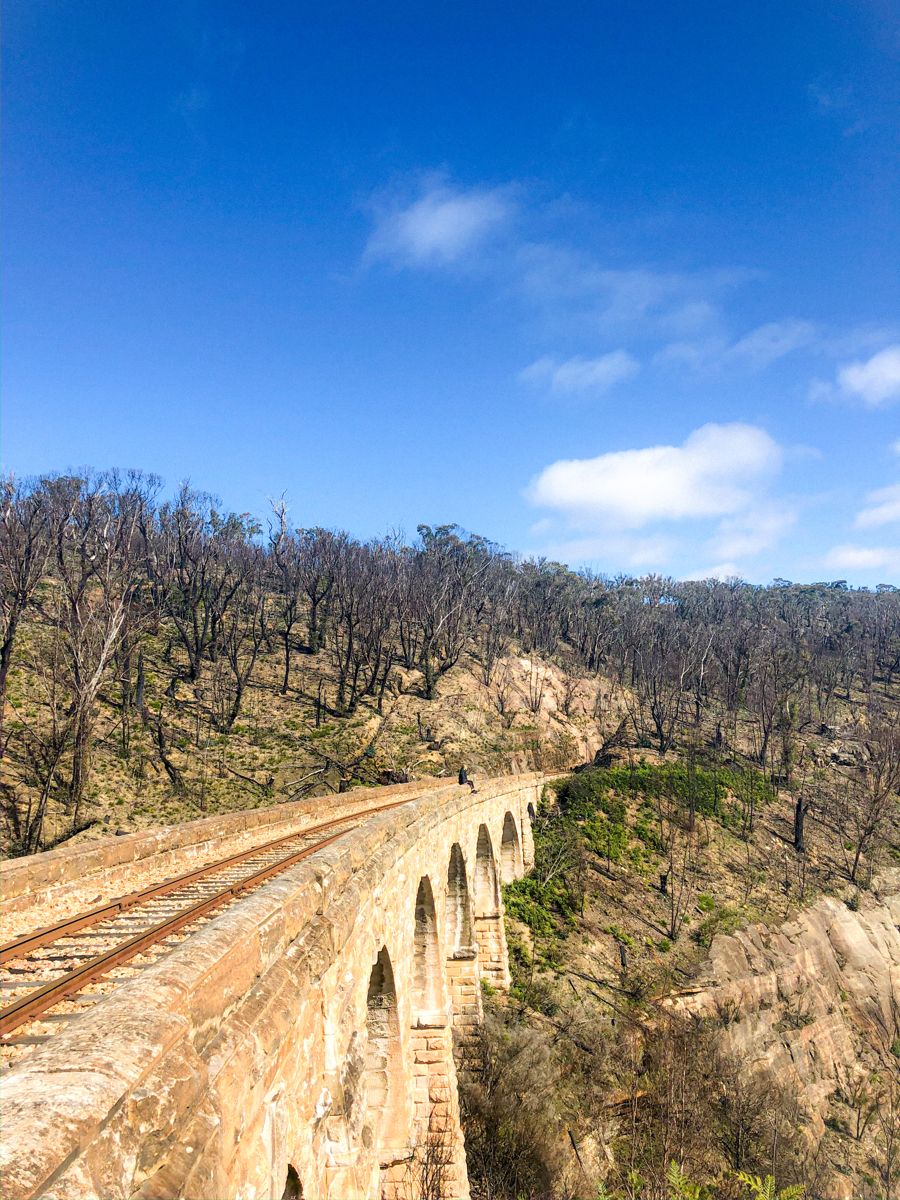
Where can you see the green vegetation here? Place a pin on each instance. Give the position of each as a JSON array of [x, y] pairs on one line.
[[618, 849], [624, 815], [721, 920], [725, 793]]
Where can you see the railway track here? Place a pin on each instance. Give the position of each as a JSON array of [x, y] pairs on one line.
[[51, 975]]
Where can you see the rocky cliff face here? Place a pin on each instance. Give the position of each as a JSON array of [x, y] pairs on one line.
[[815, 1005]]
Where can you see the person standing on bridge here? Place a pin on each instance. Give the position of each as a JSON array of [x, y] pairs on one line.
[[464, 779]]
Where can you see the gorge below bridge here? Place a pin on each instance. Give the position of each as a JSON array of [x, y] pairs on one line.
[[298, 1042]]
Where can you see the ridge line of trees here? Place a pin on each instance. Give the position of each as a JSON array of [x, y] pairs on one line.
[[103, 574]]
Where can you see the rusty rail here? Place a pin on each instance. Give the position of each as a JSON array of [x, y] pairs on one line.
[[29, 1007]]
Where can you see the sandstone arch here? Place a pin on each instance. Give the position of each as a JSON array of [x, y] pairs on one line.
[[458, 907], [427, 982], [510, 850], [384, 1063], [433, 1071], [293, 1188], [487, 890], [489, 932], [462, 951]]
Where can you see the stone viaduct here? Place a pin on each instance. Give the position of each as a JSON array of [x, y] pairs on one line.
[[301, 1044]]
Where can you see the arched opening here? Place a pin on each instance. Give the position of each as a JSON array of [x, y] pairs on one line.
[[510, 850], [487, 891], [489, 933], [528, 837], [293, 1188], [462, 948], [384, 1067], [427, 994], [458, 908]]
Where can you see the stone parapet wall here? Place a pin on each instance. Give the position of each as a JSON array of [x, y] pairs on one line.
[[77, 876], [263, 1043]]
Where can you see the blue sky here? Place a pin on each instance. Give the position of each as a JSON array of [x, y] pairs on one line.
[[616, 283]]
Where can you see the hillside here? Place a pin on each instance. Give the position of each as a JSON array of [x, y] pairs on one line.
[[746, 1018], [164, 660], [285, 745]]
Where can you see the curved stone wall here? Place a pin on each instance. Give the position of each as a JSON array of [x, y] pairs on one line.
[[302, 1043]]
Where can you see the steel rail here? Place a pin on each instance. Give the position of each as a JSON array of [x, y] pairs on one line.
[[52, 933], [29, 1007]]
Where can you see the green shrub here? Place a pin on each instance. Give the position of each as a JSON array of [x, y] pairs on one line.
[[723, 920], [536, 904], [705, 788], [620, 935]]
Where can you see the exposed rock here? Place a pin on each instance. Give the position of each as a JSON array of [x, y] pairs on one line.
[[814, 1004]]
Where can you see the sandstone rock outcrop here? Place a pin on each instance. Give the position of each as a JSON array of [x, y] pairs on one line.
[[814, 1004]]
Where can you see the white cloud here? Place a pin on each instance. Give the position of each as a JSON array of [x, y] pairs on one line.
[[876, 380], [440, 227], [636, 553], [850, 557], [582, 374], [751, 532], [770, 342], [726, 570], [714, 473], [699, 355], [758, 349], [882, 508], [560, 280], [691, 317], [895, 446]]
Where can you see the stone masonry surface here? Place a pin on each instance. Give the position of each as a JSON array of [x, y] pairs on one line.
[[300, 1044]]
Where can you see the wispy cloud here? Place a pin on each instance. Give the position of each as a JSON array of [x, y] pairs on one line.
[[874, 381], [582, 375], [440, 226], [851, 557], [772, 341], [751, 532], [830, 98], [564, 280], [837, 101], [434, 223], [714, 473], [755, 351], [882, 508]]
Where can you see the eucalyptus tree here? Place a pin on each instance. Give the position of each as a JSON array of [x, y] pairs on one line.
[[25, 548], [197, 571], [286, 553], [100, 567], [443, 582]]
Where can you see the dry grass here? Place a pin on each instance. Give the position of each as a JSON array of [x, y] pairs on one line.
[[284, 746]]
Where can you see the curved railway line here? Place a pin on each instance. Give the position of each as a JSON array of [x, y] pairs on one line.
[[52, 974]]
